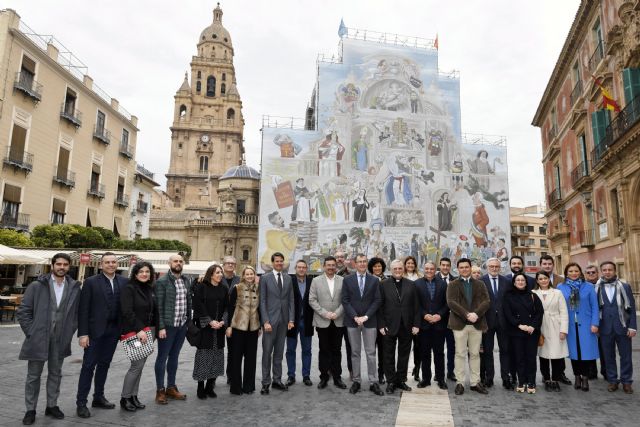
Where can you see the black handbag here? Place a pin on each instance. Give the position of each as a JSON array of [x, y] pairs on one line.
[[193, 334]]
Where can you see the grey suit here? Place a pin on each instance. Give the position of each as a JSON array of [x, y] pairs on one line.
[[277, 309], [330, 332]]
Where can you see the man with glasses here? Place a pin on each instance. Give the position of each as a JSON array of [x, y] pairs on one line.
[[592, 275]]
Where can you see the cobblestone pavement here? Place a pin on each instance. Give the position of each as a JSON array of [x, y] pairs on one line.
[[301, 405]]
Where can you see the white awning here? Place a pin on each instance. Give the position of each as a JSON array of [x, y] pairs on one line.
[[48, 253], [18, 256]]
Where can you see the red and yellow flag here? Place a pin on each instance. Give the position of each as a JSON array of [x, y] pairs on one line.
[[607, 99]]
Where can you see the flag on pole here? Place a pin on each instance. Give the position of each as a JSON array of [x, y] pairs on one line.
[[342, 30], [435, 43], [607, 99]]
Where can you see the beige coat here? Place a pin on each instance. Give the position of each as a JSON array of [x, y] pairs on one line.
[[554, 321], [322, 302]]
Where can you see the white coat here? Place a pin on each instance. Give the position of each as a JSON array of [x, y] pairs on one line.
[[554, 321]]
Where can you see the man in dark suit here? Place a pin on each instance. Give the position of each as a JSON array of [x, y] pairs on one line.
[[516, 264], [398, 320], [468, 301], [361, 300], [432, 296], [303, 325], [618, 325], [445, 275], [496, 285], [277, 313], [98, 332]]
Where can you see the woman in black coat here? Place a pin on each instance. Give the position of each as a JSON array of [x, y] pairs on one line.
[[523, 313], [138, 313], [210, 301]]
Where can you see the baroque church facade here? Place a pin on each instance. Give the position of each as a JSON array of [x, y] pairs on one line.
[[212, 195]]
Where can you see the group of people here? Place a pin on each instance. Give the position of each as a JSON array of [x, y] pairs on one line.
[[549, 317]]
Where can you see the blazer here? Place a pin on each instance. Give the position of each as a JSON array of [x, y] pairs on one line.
[[275, 305], [365, 305], [494, 316], [557, 279], [451, 277], [307, 311], [395, 310], [94, 308], [437, 305], [322, 302], [459, 307], [610, 318], [138, 308]]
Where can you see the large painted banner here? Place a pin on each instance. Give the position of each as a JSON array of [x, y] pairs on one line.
[[386, 173]]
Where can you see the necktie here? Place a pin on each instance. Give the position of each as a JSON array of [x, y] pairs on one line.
[[361, 285], [279, 282], [495, 287]]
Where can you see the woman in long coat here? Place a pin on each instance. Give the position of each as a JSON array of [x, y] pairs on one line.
[[555, 325], [584, 319]]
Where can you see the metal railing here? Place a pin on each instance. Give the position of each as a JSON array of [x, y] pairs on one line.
[[579, 172], [101, 134], [596, 56], [121, 200], [64, 177], [15, 221], [625, 120], [19, 159], [142, 206], [587, 238], [26, 84], [71, 115], [125, 150], [576, 92], [96, 190], [554, 197]]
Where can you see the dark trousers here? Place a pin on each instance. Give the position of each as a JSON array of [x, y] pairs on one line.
[[380, 345], [228, 371], [432, 340], [556, 369], [451, 351], [168, 353], [609, 344], [330, 351], [292, 345], [487, 369], [397, 373], [525, 351], [244, 346], [417, 359], [347, 346], [97, 358], [579, 366]]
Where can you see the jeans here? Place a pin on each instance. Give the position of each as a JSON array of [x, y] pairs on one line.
[[292, 344], [168, 353]]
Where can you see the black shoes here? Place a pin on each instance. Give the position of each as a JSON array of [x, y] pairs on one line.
[[29, 418], [424, 383], [137, 403], [265, 389], [127, 404], [479, 388], [564, 380], [390, 388], [416, 374], [381, 380], [102, 402], [442, 385], [208, 389], [403, 386], [307, 381], [322, 384], [507, 384], [355, 387], [452, 377], [83, 411], [277, 385], [375, 388], [54, 412], [291, 381], [585, 383], [459, 389], [339, 383], [578, 383], [488, 383], [200, 392]]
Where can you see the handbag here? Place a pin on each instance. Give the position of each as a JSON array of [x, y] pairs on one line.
[[540, 340], [136, 349], [194, 335]]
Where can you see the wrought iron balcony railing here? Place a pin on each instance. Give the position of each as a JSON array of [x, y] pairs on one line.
[[26, 84]]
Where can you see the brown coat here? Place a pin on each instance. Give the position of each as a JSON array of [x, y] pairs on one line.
[[459, 307]]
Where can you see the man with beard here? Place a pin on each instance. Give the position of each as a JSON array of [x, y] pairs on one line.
[[48, 317], [173, 298], [516, 264]]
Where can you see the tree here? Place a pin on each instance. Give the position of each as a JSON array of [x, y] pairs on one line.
[[14, 238]]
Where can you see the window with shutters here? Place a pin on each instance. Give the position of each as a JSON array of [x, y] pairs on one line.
[[599, 121], [58, 211], [631, 82]]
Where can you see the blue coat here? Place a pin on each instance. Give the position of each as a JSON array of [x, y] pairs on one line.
[[587, 315]]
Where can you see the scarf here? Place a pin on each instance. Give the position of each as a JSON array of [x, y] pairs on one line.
[[574, 296], [622, 299]]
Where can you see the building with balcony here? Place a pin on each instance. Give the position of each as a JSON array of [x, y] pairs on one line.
[[591, 154], [56, 126], [141, 200], [211, 200], [529, 235]]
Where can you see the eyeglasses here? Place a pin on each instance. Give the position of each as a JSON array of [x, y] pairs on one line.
[[590, 272]]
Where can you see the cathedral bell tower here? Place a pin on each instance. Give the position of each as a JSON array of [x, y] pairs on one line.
[[206, 135]]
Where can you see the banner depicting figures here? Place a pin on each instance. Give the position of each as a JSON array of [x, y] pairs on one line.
[[386, 172]]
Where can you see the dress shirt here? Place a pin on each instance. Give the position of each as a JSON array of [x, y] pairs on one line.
[[610, 288], [362, 278], [302, 285], [59, 288], [331, 283], [110, 279], [494, 284]]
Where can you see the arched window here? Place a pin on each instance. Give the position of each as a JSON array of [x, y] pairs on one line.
[[211, 86], [204, 163], [199, 74], [183, 110], [223, 89], [231, 114], [198, 86], [224, 77]]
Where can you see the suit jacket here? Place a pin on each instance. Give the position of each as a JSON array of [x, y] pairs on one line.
[[451, 277], [494, 314], [557, 279], [365, 305], [459, 306], [95, 305], [395, 309], [276, 306], [322, 302], [307, 311], [609, 317], [437, 305]]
